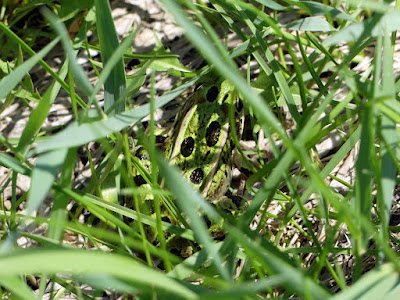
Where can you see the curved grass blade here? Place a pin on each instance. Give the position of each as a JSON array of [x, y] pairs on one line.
[[17, 287], [76, 135], [109, 71], [369, 27], [76, 262], [11, 81], [382, 283], [40, 113], [81, 79]]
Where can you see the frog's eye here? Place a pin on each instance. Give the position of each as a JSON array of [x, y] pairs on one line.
[[212, 134], [187, 146], [197, 176], [212, 94]]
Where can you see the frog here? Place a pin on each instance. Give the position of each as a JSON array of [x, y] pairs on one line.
[[200, 143]]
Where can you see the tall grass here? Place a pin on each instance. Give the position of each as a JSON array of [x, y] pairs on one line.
[[299, 237]]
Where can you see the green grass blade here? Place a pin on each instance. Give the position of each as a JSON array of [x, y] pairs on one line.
[[272, 5], [58, 210], [273, 260], [11, 81], [190, 202], [109, 70], [76, 135], [368, 28], [115, 85], [12, 163], [80, 78], [382, 283], [391, 138], [310, 24], [320, 9], [40, 113], [17, 287], [76, 262], [43, 176], [246, 289]]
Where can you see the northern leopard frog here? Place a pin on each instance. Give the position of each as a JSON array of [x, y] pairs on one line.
[[200, 142]]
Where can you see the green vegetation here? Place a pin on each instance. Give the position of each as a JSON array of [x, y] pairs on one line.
[[298, 237]]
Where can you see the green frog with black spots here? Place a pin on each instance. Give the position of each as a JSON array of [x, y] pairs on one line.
[[200, 143]]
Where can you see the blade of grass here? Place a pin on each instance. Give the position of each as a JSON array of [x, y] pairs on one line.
[[80, 78], [40, 113], [116, 83], [77, 262], [58, 210], [45, 66], [248, 289], [362, 200], [190, 201], [76, 135], [17, 287], [388, 132], [11, 81], [293, 279], [320, 9], [376, 284], [14, 164], [109, 68], [43, 176]]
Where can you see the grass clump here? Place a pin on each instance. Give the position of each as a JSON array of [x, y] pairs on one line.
[[319, 221]]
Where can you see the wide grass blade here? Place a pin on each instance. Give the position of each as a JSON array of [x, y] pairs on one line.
[[390, 136], [368, 27], [43, 176], [310, 24], [17, 287], [115, 85], [76, 135], [320, 9], [382, 283], [78, 262]]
